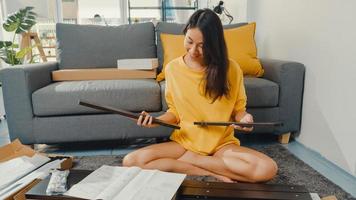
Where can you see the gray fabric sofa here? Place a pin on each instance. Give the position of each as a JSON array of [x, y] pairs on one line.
[[42, 111]]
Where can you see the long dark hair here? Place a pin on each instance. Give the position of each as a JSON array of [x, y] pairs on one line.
[[214, 52]]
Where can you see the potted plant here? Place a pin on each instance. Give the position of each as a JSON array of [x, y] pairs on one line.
[[19, 22]]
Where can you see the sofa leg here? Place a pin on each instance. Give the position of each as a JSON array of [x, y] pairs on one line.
[[284, 138]]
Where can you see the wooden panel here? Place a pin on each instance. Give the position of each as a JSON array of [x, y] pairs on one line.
[[218, 190], [200, 193], [101, 74], [244, 186]]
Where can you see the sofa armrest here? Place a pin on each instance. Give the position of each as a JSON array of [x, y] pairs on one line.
[[290, 78], [18, 84]]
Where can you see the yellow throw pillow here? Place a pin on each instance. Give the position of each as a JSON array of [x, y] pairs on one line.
[[240, 44], [241, 48], [173, 47]]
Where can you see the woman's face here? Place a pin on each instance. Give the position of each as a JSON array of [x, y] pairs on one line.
[[193, 43]]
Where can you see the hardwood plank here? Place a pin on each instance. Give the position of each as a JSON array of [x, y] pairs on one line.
[[201, 193], [244, 186]]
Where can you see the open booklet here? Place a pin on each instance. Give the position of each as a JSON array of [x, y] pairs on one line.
[[129, 183]]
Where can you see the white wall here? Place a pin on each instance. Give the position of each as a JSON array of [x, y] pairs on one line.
[[108, 9], [70, 9], [237, 8], [41, 7], [322, 35]]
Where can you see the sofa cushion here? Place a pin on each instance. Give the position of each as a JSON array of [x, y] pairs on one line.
[[260, 93], [93, 46], [176, 29], [173, 48], [61, 98], [241, 47]]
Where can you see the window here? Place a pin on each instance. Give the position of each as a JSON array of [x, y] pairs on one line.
[[161, 10], [106, 12]]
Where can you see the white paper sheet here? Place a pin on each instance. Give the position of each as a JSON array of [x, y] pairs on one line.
[[16, 168], [119, 183], [314, 196], [129, 183], [40, 173], [138, 63]]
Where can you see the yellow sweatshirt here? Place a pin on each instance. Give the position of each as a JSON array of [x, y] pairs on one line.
[[186, 100]]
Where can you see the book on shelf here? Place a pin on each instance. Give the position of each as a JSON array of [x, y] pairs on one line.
[[111, 182], [138, 63]]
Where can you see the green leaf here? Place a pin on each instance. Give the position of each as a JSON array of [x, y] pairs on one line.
[[29, 8], [22, 53], [19, 15], [11, 58], [31, 17], [23, 28], [10, 27], [20, 21], [15, 46], [13, 18], [32, 13], [5, 59], [29, 21], [5, 44], [2, 53]]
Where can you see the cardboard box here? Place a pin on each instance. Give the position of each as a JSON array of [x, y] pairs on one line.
[[21, 195], [17, 149], [138, 63], [101, 74]]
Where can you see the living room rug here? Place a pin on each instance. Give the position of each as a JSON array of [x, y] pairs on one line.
[[291, 171]]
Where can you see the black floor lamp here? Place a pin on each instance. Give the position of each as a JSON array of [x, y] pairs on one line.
[[220, 9]]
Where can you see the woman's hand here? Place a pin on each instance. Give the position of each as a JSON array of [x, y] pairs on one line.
[[145, 120], [243, 118]]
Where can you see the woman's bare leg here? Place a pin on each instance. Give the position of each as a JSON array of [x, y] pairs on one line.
[[173, 165], [214, 164], [164, 156], [236, 162], [149, 153]]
